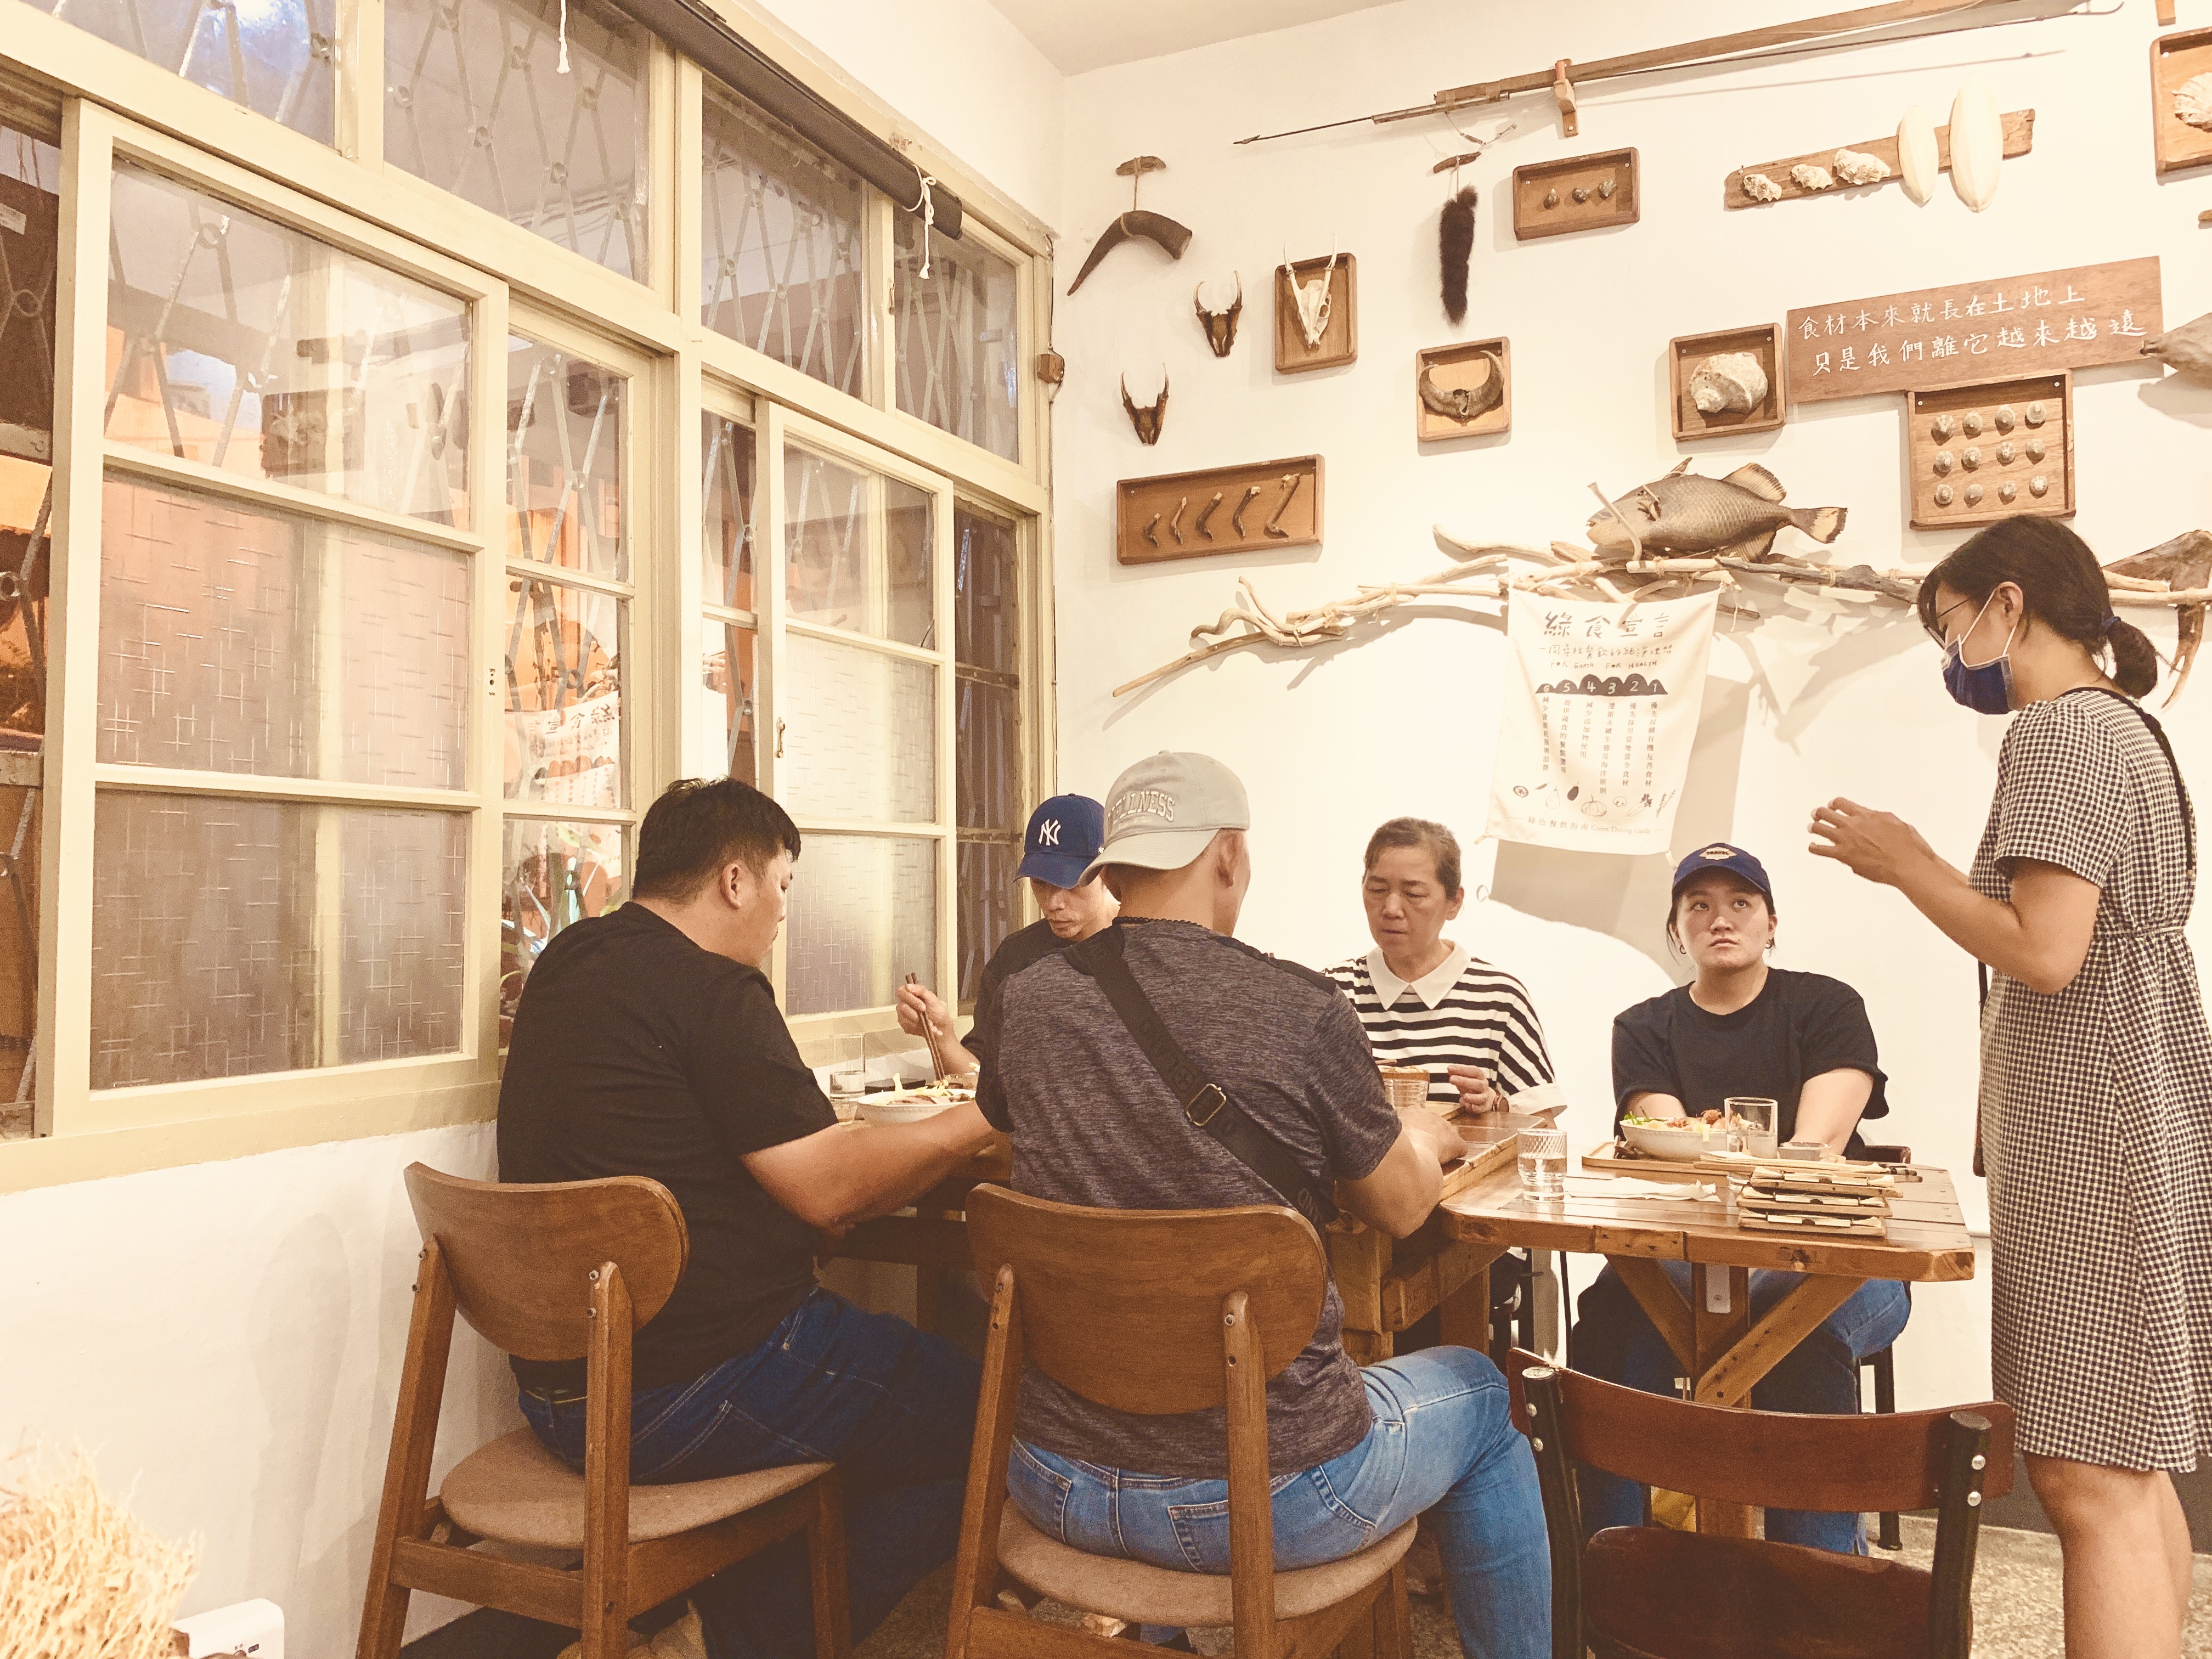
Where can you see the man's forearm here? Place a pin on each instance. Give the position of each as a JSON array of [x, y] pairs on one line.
[[890, 1165]]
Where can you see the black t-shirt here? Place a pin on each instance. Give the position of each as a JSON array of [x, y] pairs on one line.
[[1798, 1026], [635, 1052], [1031, 944]]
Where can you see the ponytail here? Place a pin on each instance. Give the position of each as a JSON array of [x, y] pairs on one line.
[[2062, 585]]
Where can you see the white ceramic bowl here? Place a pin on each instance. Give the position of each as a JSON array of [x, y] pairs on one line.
[[1681, 1145], [901, 1108]]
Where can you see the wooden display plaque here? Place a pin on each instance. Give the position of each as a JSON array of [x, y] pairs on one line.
[[1340, 339], [2038, 442], [1255, 495], [1686, 352], [2175, 58], [1931, 337], [1606, 178], [2019, 139], [1462, 368]]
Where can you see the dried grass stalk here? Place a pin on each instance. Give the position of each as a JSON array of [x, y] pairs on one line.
[[80, 1576]]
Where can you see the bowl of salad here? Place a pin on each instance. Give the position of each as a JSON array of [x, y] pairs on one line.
[[912, 1105], [1682, 1139]]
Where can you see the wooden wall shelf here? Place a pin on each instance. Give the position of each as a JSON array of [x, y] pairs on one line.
[[2175, 58], [2037, 444], [1686, 351], [1236, 503], [1611, 172], [2019, 139], [1340, 340]]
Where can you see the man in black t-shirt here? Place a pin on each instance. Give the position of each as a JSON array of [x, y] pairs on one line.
[[649, 1043]]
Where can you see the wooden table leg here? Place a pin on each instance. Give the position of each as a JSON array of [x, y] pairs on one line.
[[1463, 1316], [1720, 1314], [1360, 1261]]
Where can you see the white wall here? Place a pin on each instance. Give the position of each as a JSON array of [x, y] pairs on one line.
[[1809, 703]]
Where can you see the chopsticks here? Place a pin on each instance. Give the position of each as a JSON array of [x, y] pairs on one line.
[[937, 1067]]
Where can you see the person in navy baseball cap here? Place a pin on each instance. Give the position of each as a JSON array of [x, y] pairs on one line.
[[1065, 836], [1733, 860]]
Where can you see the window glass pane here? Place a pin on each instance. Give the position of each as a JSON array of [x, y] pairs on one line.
[[990, 907], [856, 549], [277, 58], [238, 342], [958, 355], [726, 538], [475, 101], [989, 756], [237, 639], [985, 622], [860, 733], [727, 688], [863, 917], [781, 245], [564, 729], [231, 937], [564, 447], [550, 874]]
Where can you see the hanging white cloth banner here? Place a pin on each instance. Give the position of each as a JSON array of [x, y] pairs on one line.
[[1601, 710]]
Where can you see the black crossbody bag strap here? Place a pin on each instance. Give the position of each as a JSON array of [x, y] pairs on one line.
[[1205, 1103]]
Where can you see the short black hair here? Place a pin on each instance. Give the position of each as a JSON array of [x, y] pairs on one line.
[[699, 826], [2062, 583]]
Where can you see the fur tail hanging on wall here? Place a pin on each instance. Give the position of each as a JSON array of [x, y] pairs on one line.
[[1455, 243]]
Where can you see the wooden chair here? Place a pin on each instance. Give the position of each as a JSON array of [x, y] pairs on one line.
[[1648, 1593], [553, 1272], [1155, 1311]]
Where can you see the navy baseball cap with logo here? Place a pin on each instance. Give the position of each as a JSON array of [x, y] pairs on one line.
[[1722, 856], [1065, 835]]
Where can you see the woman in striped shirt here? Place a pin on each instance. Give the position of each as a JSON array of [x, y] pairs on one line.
[[1423, 1000]]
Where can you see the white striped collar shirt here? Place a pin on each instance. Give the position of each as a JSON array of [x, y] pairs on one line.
[[1429, 988]]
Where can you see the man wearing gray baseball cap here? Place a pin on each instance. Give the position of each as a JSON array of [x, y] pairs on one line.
[[1162, 1065]]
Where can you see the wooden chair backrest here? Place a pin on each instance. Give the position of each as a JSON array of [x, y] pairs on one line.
[[1776, 1460], [1125, 1306], [521, 1257]]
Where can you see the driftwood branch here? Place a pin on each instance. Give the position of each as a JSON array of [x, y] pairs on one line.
[[2178, 572]]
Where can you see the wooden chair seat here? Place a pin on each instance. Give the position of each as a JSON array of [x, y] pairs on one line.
[[516, 1490], [1753, 1599], [1145, 1594]]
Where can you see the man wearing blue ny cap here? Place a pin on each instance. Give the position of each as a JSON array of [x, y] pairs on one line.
[[1065, 835]]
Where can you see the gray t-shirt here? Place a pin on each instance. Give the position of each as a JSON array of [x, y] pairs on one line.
[[1093, 1124]]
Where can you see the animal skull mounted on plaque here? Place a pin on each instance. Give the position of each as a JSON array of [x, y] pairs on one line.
[[1312, 298], [1220, 326], [1147, 418]]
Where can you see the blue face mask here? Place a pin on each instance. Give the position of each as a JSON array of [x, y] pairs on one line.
[[1985, 688]]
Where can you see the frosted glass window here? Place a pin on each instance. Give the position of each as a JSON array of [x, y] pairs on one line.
[[726, 541], [564, 694], [780, 242], [857, 550], [235, 937], [727, 686], [246, 346], [277, 58], [551, 873], [959, 350], [860, 733], [239, 639], [863, 916], [564, 461], [474, 102]]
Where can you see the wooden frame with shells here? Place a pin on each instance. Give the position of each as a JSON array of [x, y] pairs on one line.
[[1469, 376], [1578, 192], [1698, 370], [1339, 336], [1256, 507], [1978, 453], [1782, 178], [2181, 76]]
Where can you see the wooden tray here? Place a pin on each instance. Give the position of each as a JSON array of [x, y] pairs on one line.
[[1536, 180], [1452, 367], [1606, 1159], [1686, 351], [2019, 139], [2055, 435], [1820, 1227], [1138, 502], [1480, 1160], [1340, 339], [2175, 58]]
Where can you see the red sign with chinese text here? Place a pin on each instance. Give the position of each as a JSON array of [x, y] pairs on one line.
[[1986, 330]]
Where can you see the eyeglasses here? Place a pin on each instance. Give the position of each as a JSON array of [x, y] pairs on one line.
[[1935, 627]]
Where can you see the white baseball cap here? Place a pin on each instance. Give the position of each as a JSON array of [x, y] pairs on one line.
[[1164, 811]]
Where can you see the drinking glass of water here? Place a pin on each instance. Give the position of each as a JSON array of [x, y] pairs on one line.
[[1543, 1163], [1752, 1125]]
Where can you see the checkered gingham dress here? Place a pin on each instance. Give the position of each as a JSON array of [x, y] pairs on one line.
[[2096, 1107]]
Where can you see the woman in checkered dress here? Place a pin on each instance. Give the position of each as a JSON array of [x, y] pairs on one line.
[[2096, 1093]]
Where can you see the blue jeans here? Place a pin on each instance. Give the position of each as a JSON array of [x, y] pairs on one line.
[[1614, 1339], [1442, 1438], [894, 1407]]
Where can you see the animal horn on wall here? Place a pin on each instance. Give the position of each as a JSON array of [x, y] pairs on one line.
[[1146, 417], [1455, 244], [1220, 326]]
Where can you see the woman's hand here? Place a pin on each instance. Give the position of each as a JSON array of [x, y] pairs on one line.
[[1878, 846], [921, 1011], [1475, 1093]]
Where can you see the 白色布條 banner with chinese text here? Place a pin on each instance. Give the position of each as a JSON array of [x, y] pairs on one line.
[[1601, 710]]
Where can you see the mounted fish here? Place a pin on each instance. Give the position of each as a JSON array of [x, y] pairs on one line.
[[2185, 565], [1220, 326], [1156, 227], [1147, 418], [1737, 517], [1977, 145], [2187, 350]]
